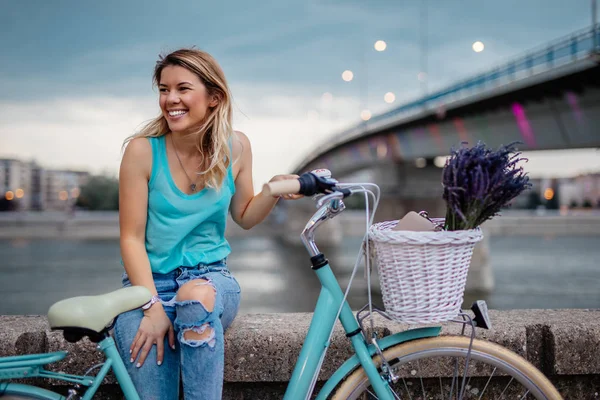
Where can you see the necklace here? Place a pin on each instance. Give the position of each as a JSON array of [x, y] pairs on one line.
[[193, 183]]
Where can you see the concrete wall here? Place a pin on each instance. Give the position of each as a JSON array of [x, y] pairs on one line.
[[261, 349]]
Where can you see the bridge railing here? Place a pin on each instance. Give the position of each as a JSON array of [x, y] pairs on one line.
[[573, 47]]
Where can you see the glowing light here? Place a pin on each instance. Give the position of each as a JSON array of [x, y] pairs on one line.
[[75, 193], [478, 47], [365, 115], [421, 162], [549, 194], [389, 97], [422, 76], [347, 75], [574, 103], [9, 195], [439, 162], [327, 97], [459, 124], [380, 45], [382, 150], [19, 193], [523, 124], [63, 195]]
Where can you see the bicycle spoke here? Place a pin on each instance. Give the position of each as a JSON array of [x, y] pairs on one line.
[[509, 382], [454, 376], [441, 373], [525, 395], [469, 381], [421, 378], [486, 385], [407, 391], [440, 378]]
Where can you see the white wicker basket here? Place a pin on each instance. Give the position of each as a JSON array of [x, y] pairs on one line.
[[422, 274]]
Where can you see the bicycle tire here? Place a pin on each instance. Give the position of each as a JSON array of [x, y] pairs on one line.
[[405, 355]]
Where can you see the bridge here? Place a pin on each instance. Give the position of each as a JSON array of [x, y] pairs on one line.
[[548, 98]]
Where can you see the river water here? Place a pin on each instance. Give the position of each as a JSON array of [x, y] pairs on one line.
[[529, 272]]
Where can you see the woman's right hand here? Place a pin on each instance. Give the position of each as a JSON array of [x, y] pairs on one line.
[[155, 324]]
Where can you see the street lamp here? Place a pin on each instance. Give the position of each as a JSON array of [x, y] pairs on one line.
[[389, 97], [380, 45], [348, 76], [478, 47]]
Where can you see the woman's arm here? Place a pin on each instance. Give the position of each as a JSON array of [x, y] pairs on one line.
[[248, 210], [133, 209]]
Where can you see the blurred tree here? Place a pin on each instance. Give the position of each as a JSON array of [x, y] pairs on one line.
[[7, 205], [587, 203], [553, 203], [533, 200], [573, 204], [100, 193]]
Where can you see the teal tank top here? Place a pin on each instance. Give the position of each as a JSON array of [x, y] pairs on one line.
[[184, 229]]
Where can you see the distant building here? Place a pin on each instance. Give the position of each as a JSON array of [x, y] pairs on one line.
[[15, 183], [28, 186], [581, 191], [62, 187]]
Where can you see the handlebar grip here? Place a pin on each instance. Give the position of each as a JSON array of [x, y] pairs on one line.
[[288, 186]]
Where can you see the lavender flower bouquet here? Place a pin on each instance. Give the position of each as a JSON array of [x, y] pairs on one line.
[[478, 182]]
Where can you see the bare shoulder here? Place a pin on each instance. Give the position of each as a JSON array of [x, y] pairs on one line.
[[139, 147], [138, 156]]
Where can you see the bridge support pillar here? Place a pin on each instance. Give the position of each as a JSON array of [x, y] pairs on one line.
[[481, 278]]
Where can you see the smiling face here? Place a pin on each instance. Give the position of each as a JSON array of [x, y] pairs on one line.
[[184, 99]]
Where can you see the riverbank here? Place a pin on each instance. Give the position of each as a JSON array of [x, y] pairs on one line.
[[261, 349], [105, 225]]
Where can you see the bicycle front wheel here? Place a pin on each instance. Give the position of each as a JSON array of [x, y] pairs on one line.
[[436, 368]]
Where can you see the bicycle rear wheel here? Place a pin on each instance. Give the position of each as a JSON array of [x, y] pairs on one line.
[[434, 368]]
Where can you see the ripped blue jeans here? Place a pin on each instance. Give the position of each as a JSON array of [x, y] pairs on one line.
[[200, 363]]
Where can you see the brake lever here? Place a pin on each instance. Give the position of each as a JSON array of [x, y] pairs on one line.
[[329, 197]]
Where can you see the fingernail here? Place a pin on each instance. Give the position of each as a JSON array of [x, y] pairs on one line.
[[131, 360], [173, 347], [138, 365], [130, 351], [159, 362]]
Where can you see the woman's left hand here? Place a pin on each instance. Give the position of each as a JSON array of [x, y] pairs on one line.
[[283, 178]]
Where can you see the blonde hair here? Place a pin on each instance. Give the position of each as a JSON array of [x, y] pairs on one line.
[[214, 135]]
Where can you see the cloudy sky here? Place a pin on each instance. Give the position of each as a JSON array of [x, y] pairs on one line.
[[76, 76]]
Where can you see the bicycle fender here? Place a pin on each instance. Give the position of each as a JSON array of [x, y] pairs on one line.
[[28, 390], [352, 363]]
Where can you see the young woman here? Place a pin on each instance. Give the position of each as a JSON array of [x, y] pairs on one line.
[[180, 176]]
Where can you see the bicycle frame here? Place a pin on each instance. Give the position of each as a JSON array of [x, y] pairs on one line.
[[328, 304], [32, 366], [316, 344]]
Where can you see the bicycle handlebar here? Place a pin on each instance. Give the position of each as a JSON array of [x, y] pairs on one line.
[[289, 186], [308, 184]]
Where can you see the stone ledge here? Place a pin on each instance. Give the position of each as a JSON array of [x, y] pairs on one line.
[[261, 349]]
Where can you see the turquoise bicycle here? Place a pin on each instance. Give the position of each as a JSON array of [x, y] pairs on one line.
[[413, 364]]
